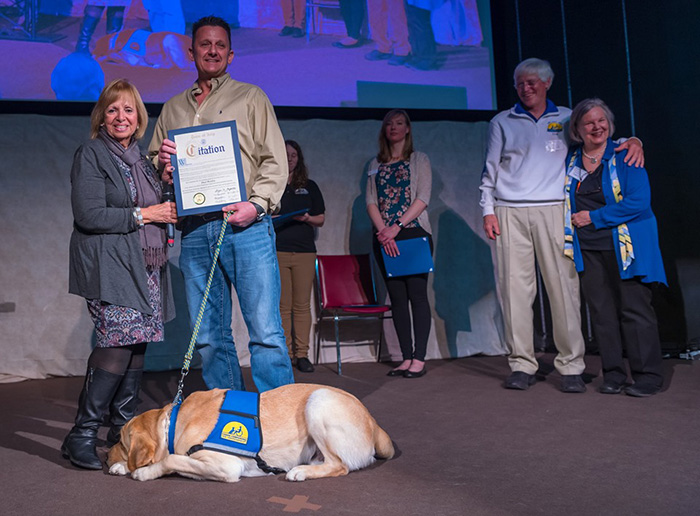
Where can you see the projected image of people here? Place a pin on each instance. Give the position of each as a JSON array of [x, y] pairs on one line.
[[332, 54], [398, 193]]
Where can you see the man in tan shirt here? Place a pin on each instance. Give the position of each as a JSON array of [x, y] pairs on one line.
[[247, 259]]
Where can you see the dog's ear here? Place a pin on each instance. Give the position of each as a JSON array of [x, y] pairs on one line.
[[117, 453], [141, 451]]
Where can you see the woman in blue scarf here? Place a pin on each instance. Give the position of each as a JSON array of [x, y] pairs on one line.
[[612, 236]]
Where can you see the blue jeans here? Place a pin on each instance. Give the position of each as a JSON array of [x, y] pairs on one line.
[[248, 261]]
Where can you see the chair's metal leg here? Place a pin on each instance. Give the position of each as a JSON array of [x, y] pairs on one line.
[[337, 343], [381, 338], [316, 333]]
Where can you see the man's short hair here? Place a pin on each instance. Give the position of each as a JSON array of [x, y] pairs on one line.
[[534, 66], [584, 107], [211, 21]]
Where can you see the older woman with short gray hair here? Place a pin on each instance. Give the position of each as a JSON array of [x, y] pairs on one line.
[[611, 234]]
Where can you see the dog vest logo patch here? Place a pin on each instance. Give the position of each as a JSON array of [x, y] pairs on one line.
[[236, 432]]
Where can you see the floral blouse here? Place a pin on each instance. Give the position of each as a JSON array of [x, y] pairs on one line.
[[394, 192]]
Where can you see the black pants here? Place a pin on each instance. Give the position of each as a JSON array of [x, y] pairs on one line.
[[405, 289], [353, 13], [420, 33], [621, 314]]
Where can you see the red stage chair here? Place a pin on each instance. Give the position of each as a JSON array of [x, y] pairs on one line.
[[346, 291]]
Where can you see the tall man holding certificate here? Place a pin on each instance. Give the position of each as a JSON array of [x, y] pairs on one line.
[[247, 259]]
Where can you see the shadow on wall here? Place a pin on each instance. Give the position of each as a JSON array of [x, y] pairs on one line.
[[360, 238], [463, 275]]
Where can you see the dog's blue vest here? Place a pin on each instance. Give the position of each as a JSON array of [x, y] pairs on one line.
[[237, 431]]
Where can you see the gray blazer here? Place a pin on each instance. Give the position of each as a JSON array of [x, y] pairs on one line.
[[106, 260]]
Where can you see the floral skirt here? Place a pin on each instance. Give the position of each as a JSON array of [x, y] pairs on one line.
[[122, 326]]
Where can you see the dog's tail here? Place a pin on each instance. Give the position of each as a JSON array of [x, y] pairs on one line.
[[383, 447]]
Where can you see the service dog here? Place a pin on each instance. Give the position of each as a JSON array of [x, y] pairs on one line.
[[310, 431]]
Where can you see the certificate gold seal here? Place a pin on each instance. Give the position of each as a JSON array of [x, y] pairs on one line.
[[199, 198]]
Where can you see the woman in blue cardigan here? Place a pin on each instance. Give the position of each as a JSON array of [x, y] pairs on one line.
[[612, 236]]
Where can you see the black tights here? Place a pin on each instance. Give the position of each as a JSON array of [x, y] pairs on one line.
[[404, 290], [414, 289], [118, 360]]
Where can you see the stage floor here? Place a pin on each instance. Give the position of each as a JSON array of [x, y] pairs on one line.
[[465, 445]]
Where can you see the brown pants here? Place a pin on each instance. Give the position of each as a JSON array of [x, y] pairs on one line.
[[294, 13], [526, 233], [387, 23], [297, 278]]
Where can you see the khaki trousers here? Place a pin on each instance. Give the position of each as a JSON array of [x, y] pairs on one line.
[[527, 233], [294, 13], [297, 272], [387, 23]]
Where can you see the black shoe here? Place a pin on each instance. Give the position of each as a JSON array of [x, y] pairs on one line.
[[79, 446], [304, 365], [286, 31], [376, 55], [115, 19], [87, 29], [338, 44], [572, 383], [297, 33], [417, 374], [641, 390], [520, 381], [397, 60], [611, 387], [422, 65], [396, 372], [123, 405]]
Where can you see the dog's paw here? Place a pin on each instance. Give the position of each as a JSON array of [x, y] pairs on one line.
[[145, 473], [296, 474], [118, 468]]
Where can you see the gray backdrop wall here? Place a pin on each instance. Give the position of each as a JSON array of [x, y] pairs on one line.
[[46, 331]]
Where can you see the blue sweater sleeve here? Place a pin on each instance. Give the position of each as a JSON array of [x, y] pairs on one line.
[[636, 197]]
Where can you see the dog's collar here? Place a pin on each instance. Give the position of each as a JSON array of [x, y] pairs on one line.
[[171, 429]]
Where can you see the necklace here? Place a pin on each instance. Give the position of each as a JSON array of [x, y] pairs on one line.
[[594, 159]]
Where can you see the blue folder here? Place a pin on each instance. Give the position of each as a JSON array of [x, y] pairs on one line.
[[283, 219], [414, 258]]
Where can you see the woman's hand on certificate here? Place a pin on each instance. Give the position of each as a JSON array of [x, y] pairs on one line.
[[167, 148]]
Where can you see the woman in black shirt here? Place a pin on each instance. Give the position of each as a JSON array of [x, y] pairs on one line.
[[296, 253]]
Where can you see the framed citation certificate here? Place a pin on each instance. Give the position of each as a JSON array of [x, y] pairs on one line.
[[208, 171]]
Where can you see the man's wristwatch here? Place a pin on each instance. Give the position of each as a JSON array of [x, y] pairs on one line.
[[260, 210]]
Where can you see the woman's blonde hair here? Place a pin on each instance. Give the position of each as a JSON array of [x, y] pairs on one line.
[[384, 155], [111, 94]]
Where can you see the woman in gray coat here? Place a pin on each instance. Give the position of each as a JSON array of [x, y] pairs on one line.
[[118, 263]]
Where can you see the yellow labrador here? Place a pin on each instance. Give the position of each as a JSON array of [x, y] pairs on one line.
[[310, 431]]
